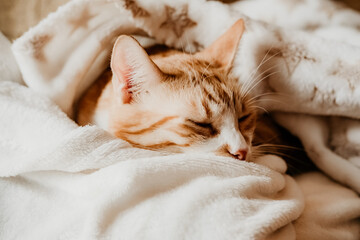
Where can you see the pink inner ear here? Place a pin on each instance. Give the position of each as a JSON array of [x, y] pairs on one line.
[[126, 92], [123, 75]]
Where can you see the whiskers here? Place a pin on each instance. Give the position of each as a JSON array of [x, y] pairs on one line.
[[295, 157], [255, 79], [249, 83], [286, 152], [257, 100]]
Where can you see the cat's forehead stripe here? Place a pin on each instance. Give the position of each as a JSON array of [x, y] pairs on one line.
[[211, 97], [154, 146], [207, 109]]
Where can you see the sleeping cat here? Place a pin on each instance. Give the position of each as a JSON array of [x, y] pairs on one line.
[[175, 101]]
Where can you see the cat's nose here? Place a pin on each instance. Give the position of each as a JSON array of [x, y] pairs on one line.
[[240, 153]]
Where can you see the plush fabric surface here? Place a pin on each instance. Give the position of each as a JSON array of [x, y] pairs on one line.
[[17, 16], [59, 180], [331, 212]]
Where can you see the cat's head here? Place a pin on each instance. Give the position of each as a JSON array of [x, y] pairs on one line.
[[181, 102]]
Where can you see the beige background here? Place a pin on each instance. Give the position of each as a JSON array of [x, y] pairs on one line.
[[16, 16]]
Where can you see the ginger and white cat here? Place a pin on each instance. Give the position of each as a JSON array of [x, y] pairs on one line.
[[178, 102], [173, 100]]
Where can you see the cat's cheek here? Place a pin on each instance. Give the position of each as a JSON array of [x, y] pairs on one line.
[[247, 130], [101, 118], [210, 145]]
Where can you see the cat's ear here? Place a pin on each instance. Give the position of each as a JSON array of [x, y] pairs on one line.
[[133, 70], [224, 49]]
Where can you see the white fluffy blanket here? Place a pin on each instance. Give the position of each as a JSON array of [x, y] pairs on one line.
[[62, 181]]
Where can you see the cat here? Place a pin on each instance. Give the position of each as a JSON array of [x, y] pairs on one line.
[[173, 100], [176, 101]]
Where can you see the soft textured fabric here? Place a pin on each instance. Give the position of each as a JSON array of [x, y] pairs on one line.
[[331, 212]]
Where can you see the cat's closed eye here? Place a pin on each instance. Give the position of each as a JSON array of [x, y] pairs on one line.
[[202, 124], [243, 118], [203, 128]]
